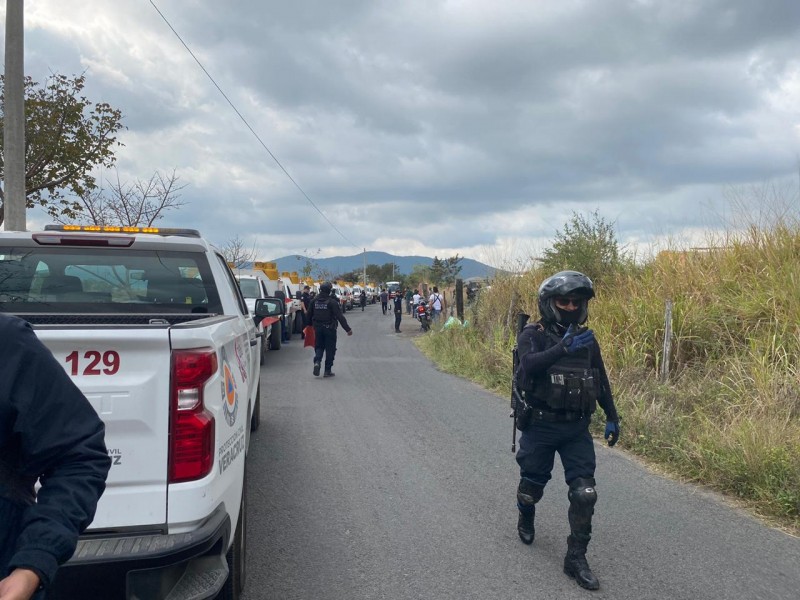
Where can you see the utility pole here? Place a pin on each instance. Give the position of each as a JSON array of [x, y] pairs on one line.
[[365, 269], [14, 118]]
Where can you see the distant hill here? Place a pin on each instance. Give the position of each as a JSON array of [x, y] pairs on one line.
[[345, 264]]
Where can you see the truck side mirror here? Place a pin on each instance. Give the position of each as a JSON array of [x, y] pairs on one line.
[[267, 307]]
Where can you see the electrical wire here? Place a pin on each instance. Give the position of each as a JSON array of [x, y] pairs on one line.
[[239, 114]]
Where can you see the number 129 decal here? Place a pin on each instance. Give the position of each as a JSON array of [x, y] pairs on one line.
[[94, 362]]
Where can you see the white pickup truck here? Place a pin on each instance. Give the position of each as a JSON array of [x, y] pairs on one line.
[[152, 327]]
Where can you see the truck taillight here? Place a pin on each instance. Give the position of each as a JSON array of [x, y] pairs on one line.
[[191, 452]]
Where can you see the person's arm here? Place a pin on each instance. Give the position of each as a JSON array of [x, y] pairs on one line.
[[534, 357], [61, 443], [337, 314]]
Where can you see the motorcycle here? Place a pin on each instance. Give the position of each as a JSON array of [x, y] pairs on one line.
[[424, 316]]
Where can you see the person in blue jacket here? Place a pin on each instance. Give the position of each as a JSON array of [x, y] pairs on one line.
[[48, 432]]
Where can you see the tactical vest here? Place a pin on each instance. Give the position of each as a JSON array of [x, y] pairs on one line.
[[323, 315], [570, 385]]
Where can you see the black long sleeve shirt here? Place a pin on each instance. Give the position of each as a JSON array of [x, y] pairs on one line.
[[49, 432]]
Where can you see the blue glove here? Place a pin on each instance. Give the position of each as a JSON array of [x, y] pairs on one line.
[[612, 432], [568, 335], [573, 343]]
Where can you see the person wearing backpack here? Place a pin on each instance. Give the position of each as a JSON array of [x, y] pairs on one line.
[[436, 302], [562, 379]]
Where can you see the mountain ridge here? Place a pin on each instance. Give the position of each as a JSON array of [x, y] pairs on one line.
[[337, 265]]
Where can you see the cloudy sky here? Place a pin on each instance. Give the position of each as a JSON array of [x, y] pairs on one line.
[[440, 126]]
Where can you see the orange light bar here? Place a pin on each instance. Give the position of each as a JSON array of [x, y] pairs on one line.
[[119, 229]]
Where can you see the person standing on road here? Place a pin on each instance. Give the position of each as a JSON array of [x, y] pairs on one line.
[[436, 302], [384, 301], [48, 432], [325, 314], [362, 299], [562, 378], [305, 301], [409, 298], [415, 300], [398, 311]]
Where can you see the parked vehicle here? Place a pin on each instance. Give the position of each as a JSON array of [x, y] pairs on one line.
[[254, 288], [154, 330], [393, 287]]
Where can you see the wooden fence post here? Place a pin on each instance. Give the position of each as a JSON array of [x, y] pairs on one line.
[[667, 341]]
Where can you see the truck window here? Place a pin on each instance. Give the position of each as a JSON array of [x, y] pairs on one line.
[[237, 293], [250, 288], [100, 280]]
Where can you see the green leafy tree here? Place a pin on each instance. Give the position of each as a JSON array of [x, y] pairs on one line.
[[587, 244], [66, 137], [444, 271]]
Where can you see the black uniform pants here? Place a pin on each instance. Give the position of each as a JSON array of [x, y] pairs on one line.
[[539, 444], [324, 343], [398, 315]]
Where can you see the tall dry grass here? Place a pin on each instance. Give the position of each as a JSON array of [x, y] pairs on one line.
[[729, 414]]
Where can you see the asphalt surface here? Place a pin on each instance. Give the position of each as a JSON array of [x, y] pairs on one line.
[[394, 480]]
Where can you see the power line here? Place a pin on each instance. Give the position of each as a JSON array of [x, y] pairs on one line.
[[239, 114]]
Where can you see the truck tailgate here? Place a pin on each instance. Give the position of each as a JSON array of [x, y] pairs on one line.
[[125, 375]]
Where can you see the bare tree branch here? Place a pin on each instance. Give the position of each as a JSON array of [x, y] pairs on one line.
[[137, 204], [236, 252]]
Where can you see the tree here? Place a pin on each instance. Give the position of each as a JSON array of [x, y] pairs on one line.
[[309, 264], [66, 137], [587, 244], [130, 205], [444, 272], [236, 252]]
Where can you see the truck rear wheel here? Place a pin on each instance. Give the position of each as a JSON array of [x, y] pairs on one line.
[[237, 554], [276, 336], [255, 420]]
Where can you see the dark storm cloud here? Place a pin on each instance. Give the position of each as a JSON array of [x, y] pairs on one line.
[[471, 113]]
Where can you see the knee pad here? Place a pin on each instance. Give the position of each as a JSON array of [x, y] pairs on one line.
[[582, 493], [528, 493]]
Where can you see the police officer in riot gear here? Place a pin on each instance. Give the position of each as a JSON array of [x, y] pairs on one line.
[[324, 313], [562, 378]]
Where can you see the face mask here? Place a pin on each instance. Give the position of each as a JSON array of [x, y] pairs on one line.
[[567, 317]]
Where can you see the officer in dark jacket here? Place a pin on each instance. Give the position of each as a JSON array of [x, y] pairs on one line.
[[48, 432], [398, 311], [562, 378], [325, 314]]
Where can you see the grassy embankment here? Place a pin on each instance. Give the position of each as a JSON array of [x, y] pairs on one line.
[[729, 414]]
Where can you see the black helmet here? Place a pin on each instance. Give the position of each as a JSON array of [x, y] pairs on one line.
[[565, 283], [326, 288]]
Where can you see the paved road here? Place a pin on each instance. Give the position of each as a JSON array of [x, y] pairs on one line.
[[393, 480]]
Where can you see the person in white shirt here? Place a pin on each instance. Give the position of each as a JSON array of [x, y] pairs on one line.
[[436, 302], [415, 303]]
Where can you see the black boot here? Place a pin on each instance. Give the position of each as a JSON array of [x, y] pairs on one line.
[[576, 566], [328, 373], [525, 527], [528, 494], [582, 498], [316, 369]]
